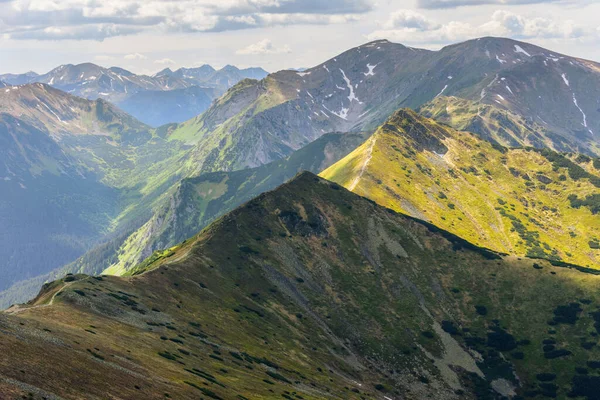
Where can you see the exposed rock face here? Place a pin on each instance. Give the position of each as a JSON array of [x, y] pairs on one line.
[[539, 99]]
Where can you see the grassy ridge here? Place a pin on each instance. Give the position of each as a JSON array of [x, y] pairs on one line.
[[315, 292], [517, 201]]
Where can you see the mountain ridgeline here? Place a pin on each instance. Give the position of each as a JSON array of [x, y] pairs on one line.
[[448, 248], [167, 97], [523, 201], [492, 87], [315, 292], [552, 96]]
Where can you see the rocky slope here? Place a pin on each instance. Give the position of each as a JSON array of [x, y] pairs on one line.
[[520, 201], [259, 121], [311, 292]]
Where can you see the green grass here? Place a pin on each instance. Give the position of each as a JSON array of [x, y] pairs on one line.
[[351, 293], [517, 201]]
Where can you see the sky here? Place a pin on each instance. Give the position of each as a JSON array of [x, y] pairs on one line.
[[146, 36]]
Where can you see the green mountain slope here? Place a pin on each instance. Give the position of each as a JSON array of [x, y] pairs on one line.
[[518, 201], [184, 208], [310, 291], [200, 200], [73, 172]]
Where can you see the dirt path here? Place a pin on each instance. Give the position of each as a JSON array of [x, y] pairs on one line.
[[19, 309], [364, 166]]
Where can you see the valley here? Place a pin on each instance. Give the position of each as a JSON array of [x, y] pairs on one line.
[[392, 223]]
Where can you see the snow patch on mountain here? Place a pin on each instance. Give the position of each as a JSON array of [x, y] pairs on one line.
[[371, 69], [519, 49], [584, 123], [352, 97], [343, 113], [442, 92]]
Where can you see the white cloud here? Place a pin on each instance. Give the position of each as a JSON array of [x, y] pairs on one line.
[[89, 19], [135, 56], [408, 19], [507, 23], [96, 32], [103, 57], [164, 61], [435, 4], [411, 27], [264, 47]]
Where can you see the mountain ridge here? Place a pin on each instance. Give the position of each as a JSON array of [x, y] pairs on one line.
[[262, 315], [258, 121], [520, 201], [127, 90]]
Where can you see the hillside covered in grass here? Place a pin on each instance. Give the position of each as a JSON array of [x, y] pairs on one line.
[[311, 292], [521, 201], [200, 200]]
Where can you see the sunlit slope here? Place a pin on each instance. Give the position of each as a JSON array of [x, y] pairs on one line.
[[517, 201], [311, 291]]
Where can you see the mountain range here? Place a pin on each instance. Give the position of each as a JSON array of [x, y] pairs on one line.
[[259, 122], [156, 100], [553, 96], [392, 223], [223, 78]]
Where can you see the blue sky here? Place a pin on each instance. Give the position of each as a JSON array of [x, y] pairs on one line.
[[148, 35]]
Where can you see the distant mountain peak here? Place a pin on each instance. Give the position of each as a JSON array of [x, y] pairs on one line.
[[58, 113], [379, 41], [229, 68], [164, 72], [206, 67]]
